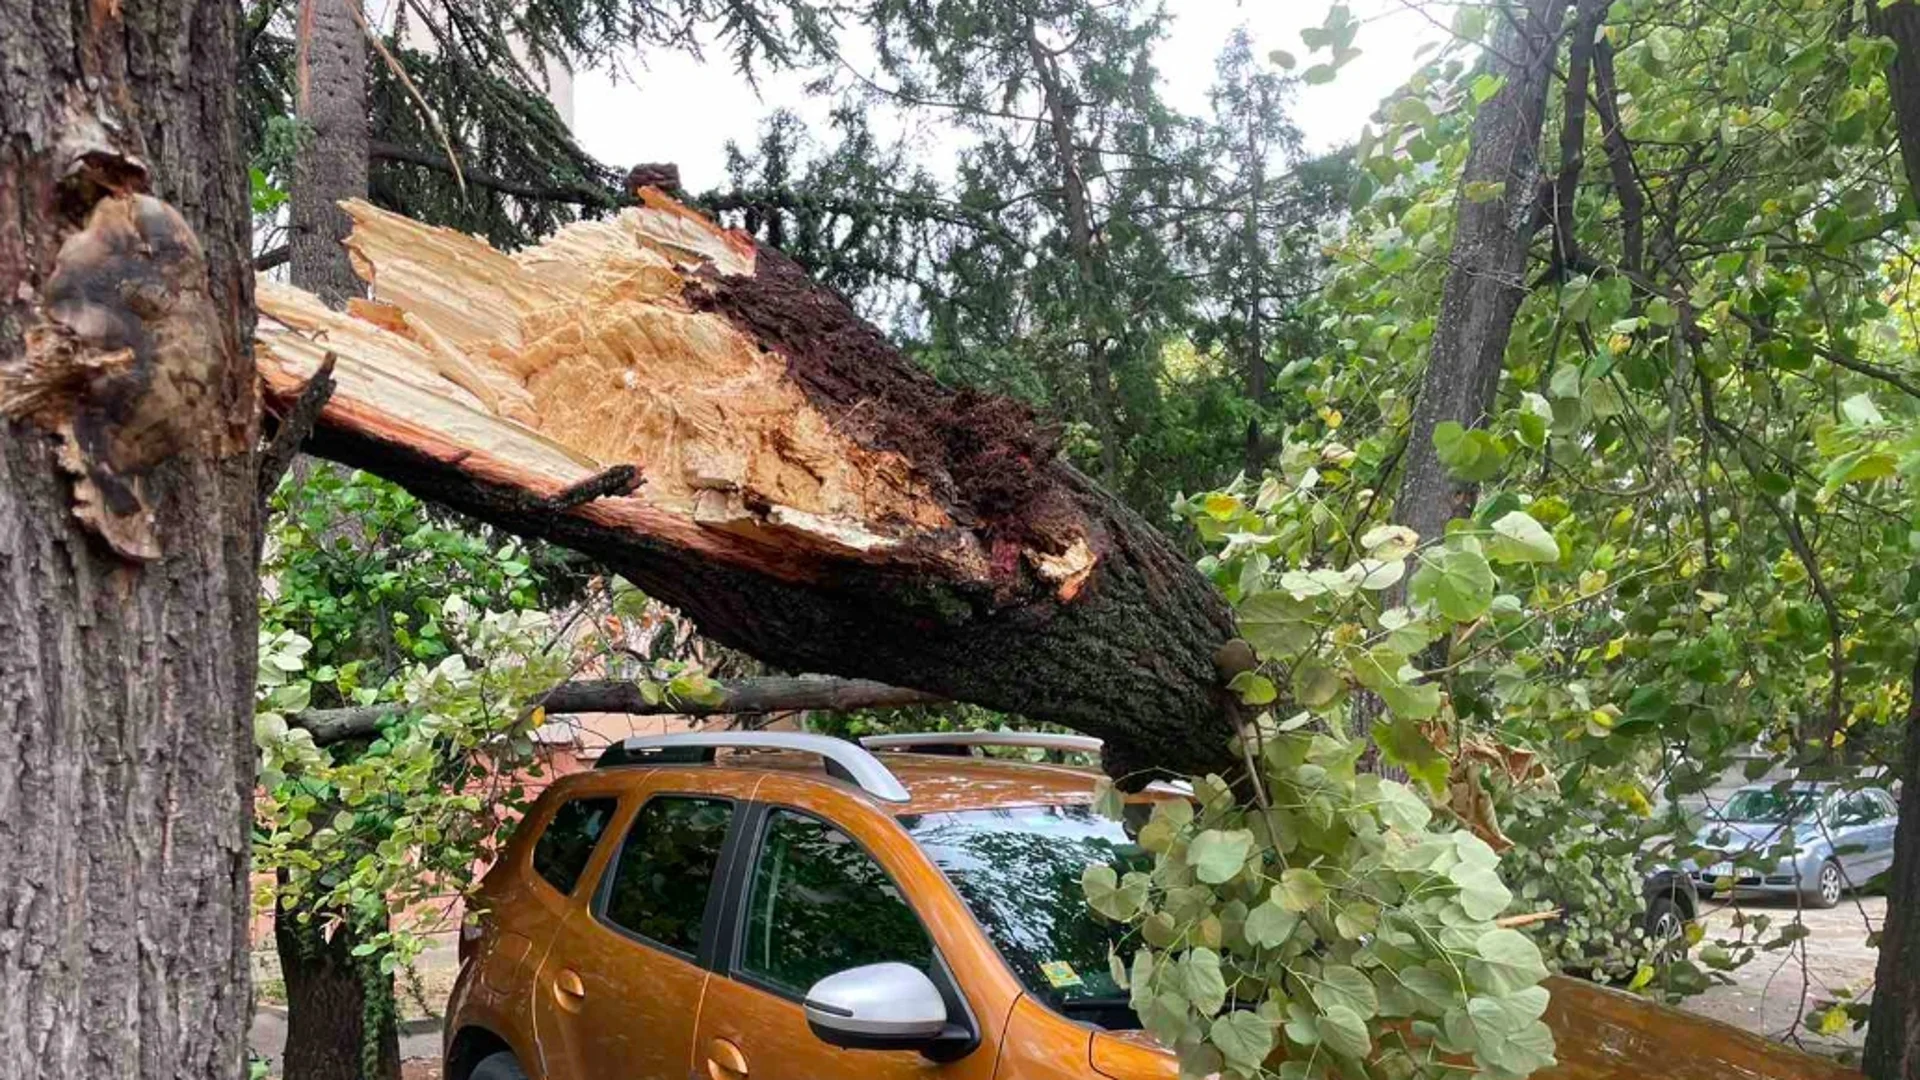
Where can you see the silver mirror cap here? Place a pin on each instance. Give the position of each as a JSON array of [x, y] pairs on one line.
[[878, 1001]]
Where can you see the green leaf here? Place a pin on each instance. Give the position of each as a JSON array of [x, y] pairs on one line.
[[1282, 59], [1483, 895], [1300, 889], [1276, 625], [1254, 688], [1486, 86], [1218, 854], [1203, 985], [1344, 1032], [1243, 1037], [1507, 963], [1316, 684], [1399, 808], [1319, 74], [1860, 409], [1343, 985], [1269, 925], [1458, 582], [1119, 900], [1517, 538]]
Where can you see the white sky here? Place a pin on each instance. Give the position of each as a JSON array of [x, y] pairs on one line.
[[671, 107]]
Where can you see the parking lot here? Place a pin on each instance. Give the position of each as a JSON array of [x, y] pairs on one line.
[[1767, 994]]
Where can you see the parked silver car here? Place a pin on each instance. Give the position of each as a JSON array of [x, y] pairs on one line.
[[1840, 840]]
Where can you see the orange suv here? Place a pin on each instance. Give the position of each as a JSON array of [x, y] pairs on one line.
[[821, 912]]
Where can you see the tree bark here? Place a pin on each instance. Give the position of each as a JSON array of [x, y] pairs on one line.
[[1486, 279], [1893, 1024], [810, 497], [745, 697], [1255, 450], [128, 586], [1057, 102], [1892, 1049], [330, 83], [329, 994]]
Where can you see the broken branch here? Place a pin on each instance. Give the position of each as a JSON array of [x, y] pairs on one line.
[[742, 698]]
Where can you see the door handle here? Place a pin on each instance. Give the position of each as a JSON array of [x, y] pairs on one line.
[[568, 991], [725, 1061]]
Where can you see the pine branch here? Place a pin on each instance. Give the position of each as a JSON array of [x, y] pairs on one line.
[[575, 194]]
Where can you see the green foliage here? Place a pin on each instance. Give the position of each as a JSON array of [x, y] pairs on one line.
[[1310, 907], [372, 601]]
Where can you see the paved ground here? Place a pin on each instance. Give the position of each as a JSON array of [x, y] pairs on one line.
[[1769, 992]]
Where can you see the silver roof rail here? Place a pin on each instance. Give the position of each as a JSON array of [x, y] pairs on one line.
[[844, 760], [1085, 744]]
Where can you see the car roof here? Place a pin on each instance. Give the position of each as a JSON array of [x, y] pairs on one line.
[[938, 783], [935, 783]]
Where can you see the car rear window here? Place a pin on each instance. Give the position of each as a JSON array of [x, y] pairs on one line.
[[666, 869], [568, 841]]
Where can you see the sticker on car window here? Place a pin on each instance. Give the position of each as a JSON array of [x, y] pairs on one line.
[[1060, 974]]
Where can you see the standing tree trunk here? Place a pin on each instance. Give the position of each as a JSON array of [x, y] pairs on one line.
[[1057, 102], [1486, 277], [802, 491], [1893, 1026], [330, 165], [128, 583], [1255, 452], [342, 1020]]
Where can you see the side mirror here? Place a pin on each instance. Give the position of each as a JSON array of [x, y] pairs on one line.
[[880, 1007]]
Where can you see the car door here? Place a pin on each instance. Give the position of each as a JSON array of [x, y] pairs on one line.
[[618, 992], [1852, 829], [812, 901], [1886, 823]]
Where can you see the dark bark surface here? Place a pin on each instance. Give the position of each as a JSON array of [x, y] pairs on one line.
[[1893, 1027], [327, 1015], [126, 677], [1486, 278], [327, 993], [1130, 659], [331, 164]]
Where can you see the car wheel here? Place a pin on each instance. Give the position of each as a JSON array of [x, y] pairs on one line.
[[1666, 928], [499, 1066], [1827, 886]]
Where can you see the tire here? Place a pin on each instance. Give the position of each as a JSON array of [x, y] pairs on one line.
[[500, 1066], [1666, 929], [1828, 885]]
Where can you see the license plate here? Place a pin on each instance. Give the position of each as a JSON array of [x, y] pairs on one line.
[[1721, 870]]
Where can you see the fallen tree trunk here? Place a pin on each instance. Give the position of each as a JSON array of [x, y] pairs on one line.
[[747, 697], [806, 494]]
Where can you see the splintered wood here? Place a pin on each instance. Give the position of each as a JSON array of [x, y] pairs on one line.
[[539, 369]]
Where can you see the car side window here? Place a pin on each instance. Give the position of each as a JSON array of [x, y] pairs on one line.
[[666, 868], [820, 905], [568, 841], [1859, 808]]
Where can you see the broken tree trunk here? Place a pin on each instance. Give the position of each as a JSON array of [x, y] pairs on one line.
[[804, 493]]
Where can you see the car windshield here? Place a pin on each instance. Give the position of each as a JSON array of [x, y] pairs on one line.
[[1768, 806], [1019, 870]]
